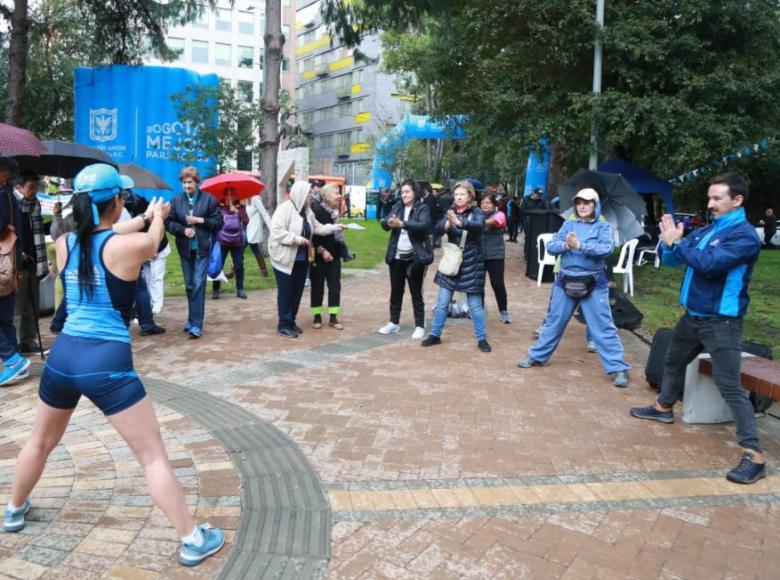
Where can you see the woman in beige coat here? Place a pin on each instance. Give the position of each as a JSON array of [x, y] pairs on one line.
[[292, 226]]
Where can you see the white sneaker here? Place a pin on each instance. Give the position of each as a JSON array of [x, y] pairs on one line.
[[419, 333], [389, 328]]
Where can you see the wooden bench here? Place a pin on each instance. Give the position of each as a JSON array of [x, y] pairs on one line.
[[759, 375]]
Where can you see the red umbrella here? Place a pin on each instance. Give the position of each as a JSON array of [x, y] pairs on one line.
[[15, 141], [243, 186]]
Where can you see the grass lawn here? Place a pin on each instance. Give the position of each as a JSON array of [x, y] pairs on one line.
[[369, 245], [656, 294]]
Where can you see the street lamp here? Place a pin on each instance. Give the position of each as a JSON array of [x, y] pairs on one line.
[[597, 56]]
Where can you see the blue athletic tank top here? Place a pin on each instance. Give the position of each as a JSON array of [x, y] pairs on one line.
[[106, 314]]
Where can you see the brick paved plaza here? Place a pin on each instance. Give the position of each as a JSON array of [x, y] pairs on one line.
[[354, 455]]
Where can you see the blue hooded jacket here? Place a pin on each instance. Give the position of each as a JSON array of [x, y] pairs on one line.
[[595, 245], [719, 260]]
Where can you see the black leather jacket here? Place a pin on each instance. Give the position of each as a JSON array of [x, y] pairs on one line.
[[418, 227]]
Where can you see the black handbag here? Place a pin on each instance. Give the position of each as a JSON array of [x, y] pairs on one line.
[[578, 286]]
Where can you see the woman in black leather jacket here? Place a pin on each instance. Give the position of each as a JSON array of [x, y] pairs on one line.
[[408, 254], [463, 216]]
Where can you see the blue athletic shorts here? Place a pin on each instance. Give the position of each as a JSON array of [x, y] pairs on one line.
[[101, 370]]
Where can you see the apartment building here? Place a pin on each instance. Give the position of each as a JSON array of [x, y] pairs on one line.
[[345, 103], [228, 41]]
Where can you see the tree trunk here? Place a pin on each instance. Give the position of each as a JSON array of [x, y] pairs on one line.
[[269, 132], [17, 63]]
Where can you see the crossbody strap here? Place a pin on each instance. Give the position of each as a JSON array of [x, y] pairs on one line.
[[463, 239]]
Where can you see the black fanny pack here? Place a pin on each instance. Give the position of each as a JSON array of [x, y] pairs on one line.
[[406, 256], [578, 286]]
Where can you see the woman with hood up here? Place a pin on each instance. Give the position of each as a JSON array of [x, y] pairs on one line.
[[583, 243], [292, 227]]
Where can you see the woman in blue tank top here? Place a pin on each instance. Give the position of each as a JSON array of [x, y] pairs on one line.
[[92, 355]]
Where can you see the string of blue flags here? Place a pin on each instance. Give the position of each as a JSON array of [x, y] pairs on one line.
[[714, 166]]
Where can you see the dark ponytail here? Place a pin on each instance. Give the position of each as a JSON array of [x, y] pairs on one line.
[[82, 214]]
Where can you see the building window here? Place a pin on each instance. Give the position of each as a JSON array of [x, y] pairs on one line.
[[260, 91], [200, 51], [246, 22], [343, 140], [177, 45], [261, 60], [223, 19], [202, 19], [286, 30], [245, 91], [245, 56], [222, 54], [285, 64]]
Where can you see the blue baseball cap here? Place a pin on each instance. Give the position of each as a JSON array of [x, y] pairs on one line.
[[100, 181]]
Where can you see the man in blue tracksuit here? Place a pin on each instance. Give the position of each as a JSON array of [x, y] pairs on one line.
[[719, 260], [584, 244]]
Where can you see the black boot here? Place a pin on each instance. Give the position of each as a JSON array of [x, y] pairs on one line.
[[240, 283], [215, 290]]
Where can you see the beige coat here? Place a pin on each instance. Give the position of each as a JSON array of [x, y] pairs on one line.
[[286, 228]]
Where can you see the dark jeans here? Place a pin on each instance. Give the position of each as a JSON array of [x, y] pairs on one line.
[[401, 273], [721, 337], [194, 268], [320, 272], [289, 291], [237, 255], [768, 235], [514, 226], [143, 305], [27, 307], [495, 270], [8, 345]]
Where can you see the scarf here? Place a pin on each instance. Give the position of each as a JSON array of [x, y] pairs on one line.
[[31, 210], [335, 215]]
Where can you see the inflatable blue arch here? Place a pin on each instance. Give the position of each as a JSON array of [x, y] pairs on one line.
[[410, 127]]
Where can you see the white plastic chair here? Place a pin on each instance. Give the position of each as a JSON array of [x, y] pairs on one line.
[[625, 265], [542, 256], [646, 254]]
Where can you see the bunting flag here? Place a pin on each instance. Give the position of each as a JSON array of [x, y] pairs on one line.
[[715, 165]]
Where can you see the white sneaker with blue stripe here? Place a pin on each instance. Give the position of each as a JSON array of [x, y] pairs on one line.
[[13, 520], [15, 370], [213, 540]]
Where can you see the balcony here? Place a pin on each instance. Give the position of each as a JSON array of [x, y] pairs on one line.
[[322, 70], [343, 93]]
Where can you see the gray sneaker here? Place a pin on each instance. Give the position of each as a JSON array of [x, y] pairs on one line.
[[591, 346], [620, 379]]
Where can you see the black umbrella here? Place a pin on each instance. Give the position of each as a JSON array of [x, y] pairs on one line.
[[621, 206], [143, 178], [64, 159]]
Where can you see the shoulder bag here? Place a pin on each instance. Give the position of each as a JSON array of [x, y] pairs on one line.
[[450, 262], [9, 274]]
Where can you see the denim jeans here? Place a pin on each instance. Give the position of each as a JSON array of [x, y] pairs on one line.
[[721, 337], [8, 345], [143, 305], [475, 309], [194, 268]]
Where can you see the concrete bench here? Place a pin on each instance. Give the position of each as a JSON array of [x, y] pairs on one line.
[[759, 375]]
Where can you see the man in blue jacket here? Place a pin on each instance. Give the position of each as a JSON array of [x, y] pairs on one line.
[[719, 260]]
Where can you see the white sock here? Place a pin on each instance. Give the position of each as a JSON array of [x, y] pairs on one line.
[[195, 538], [13, 509]]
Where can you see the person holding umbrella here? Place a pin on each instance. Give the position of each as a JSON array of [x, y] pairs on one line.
[[292, 227], [194, 220], [583, 244], [231, 240]]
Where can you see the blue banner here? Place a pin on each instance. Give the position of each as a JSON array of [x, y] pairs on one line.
[[537, 169], [127, 112]]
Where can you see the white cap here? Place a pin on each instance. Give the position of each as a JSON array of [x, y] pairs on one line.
[[588, 194]]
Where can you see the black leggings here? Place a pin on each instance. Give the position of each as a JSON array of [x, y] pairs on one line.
[[495, 269], [401, 272]]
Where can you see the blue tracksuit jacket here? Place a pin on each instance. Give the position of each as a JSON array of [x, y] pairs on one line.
[[719, 260]]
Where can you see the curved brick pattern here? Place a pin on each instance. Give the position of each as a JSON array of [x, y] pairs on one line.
[[285, 518], [92, 516]]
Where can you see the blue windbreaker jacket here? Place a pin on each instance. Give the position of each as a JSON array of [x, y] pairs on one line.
[[719, 260], [596, 244]]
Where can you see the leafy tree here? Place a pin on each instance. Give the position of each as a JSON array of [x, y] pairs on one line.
[[227, 125], [685, 81], [108, 31]]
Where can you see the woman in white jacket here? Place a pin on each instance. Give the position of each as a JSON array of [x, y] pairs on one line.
[[258, 218], [292, 226]]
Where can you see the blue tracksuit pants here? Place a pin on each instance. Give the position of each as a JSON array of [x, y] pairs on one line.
[[601, 328]]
